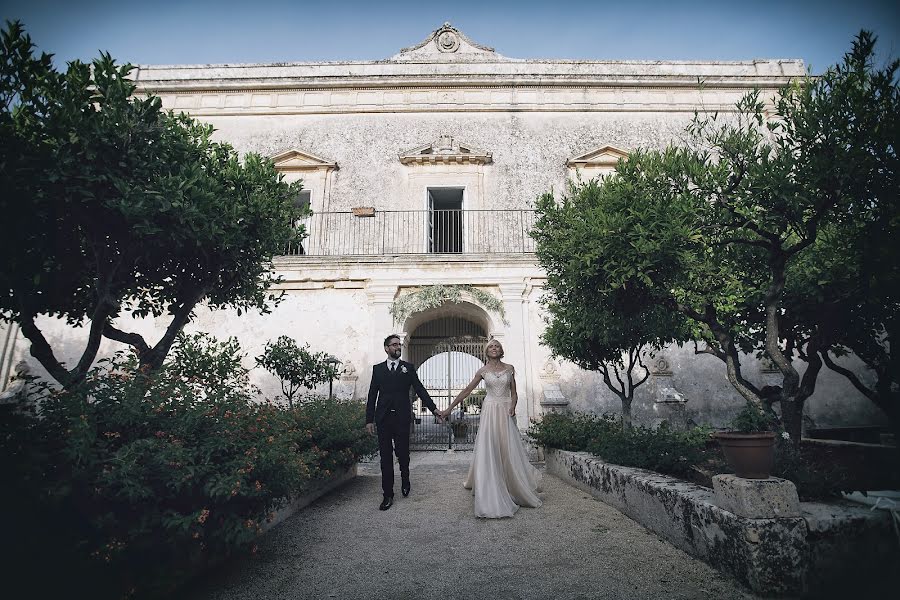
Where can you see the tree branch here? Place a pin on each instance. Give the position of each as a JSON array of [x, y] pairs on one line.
[[42, 351], [135, 340], [850, 375], [154, 357], [99, 321]]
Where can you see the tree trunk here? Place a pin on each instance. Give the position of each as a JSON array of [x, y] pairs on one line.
[[626, 413]]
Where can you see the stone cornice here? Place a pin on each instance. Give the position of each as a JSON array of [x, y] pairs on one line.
[[540, 74], [452, 82]]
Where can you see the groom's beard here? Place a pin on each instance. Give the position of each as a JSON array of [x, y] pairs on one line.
[[395, 354]]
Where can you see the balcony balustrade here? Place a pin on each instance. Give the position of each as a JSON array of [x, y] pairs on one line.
[[449, 231]]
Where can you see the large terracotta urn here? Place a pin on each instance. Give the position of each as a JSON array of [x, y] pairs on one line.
[[751, 455]]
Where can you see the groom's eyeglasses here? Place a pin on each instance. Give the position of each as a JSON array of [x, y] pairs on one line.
[[395, 344]]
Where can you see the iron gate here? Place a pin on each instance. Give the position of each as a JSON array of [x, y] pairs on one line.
[[445, 368]]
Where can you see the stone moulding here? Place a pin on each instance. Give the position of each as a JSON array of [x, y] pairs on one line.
[[605, 156], [445, 150], [298, 160], [828, 547]]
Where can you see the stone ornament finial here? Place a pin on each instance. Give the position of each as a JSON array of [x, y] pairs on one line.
[[17, 386], [550, 371], [349, 371], [446, 39], [448, 43], [660, 366]]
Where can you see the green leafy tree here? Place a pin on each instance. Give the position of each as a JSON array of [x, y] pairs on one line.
[[113, 205], [723, 233], [297, 367], [596, 328]]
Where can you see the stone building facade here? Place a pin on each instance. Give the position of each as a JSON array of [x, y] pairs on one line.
[[422, 169]]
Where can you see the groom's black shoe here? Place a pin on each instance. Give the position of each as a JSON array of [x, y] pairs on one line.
[[404, 488], [386, 503]]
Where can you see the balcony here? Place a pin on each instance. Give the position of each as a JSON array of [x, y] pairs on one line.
[[453, 231]]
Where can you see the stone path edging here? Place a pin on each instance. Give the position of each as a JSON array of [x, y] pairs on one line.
[[796, 555]]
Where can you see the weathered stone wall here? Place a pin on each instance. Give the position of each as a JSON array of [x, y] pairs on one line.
[[529, 149], [829, 547]]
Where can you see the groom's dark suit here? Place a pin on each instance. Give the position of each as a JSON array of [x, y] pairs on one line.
[[389, 407]]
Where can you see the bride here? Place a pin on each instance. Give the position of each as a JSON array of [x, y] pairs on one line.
[[500, 475]]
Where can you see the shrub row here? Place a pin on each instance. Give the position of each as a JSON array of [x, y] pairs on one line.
[[130, 484], [662, 449]]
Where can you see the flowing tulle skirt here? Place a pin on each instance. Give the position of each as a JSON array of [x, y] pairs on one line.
[[500, 476]]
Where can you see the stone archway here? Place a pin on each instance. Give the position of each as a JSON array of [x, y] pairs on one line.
[[446, 346]]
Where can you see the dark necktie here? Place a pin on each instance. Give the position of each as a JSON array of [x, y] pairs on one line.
[[392, 367]]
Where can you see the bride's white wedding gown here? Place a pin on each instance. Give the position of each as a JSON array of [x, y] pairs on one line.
[[501, 477]]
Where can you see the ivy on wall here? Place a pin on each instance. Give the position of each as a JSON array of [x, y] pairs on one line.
[[434, 296]]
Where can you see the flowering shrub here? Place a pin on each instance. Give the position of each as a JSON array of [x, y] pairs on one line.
[[129, 484]]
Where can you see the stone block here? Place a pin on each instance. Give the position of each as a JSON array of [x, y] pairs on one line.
[[770, 498], [552, 398]]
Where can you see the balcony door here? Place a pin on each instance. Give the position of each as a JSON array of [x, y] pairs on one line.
[[445, 220]]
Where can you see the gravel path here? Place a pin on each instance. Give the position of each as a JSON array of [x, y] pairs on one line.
[[429, 545]]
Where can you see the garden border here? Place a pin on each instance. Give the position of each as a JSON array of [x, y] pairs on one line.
[[321, 488], [829, 546]]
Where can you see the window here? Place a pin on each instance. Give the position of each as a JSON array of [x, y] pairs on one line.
[[445, 220], [301, 218]]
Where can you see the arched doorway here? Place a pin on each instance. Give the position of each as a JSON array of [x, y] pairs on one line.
[[447, 351]]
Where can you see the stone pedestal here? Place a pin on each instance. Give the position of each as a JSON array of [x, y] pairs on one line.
[[552, 399], [670, 408], [770, 498]]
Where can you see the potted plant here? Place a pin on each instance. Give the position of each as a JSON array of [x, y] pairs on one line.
[[749, 444]]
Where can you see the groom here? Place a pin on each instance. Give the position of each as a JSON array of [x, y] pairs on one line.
[[389, 408]]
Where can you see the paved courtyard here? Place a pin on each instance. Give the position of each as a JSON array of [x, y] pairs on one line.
[[429, 545]]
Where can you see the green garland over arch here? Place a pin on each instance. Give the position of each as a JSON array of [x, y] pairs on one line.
[[434, 296]]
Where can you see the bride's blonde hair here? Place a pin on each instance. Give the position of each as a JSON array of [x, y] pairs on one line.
[[502, 352]]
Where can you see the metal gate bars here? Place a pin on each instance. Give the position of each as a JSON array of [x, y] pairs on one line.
[[445, 368]]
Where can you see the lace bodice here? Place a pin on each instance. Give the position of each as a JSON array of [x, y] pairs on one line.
[[497, 385]]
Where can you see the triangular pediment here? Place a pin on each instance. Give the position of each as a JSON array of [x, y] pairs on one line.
[[445, 150], [298, 160], [447, 43], [603, 157]]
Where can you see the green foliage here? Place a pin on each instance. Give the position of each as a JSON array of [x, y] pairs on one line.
[[296, 366], [769, 233], [662, 449], [202, 358], [112, 204], [435, 296], [129, 484], [752, 419]]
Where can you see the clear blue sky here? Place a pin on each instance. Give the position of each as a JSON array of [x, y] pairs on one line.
[[226, 31]]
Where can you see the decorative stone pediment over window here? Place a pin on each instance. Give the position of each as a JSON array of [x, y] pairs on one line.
[[605, 157], [445, 150], [447, 43], [315, 172], [298, 160]]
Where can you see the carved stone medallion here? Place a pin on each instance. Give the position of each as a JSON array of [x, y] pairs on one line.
[[447, 40]]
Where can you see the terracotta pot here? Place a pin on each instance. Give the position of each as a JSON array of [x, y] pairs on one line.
[[751, 455]]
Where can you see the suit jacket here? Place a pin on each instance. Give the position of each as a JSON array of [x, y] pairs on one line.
[[391, 390]]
